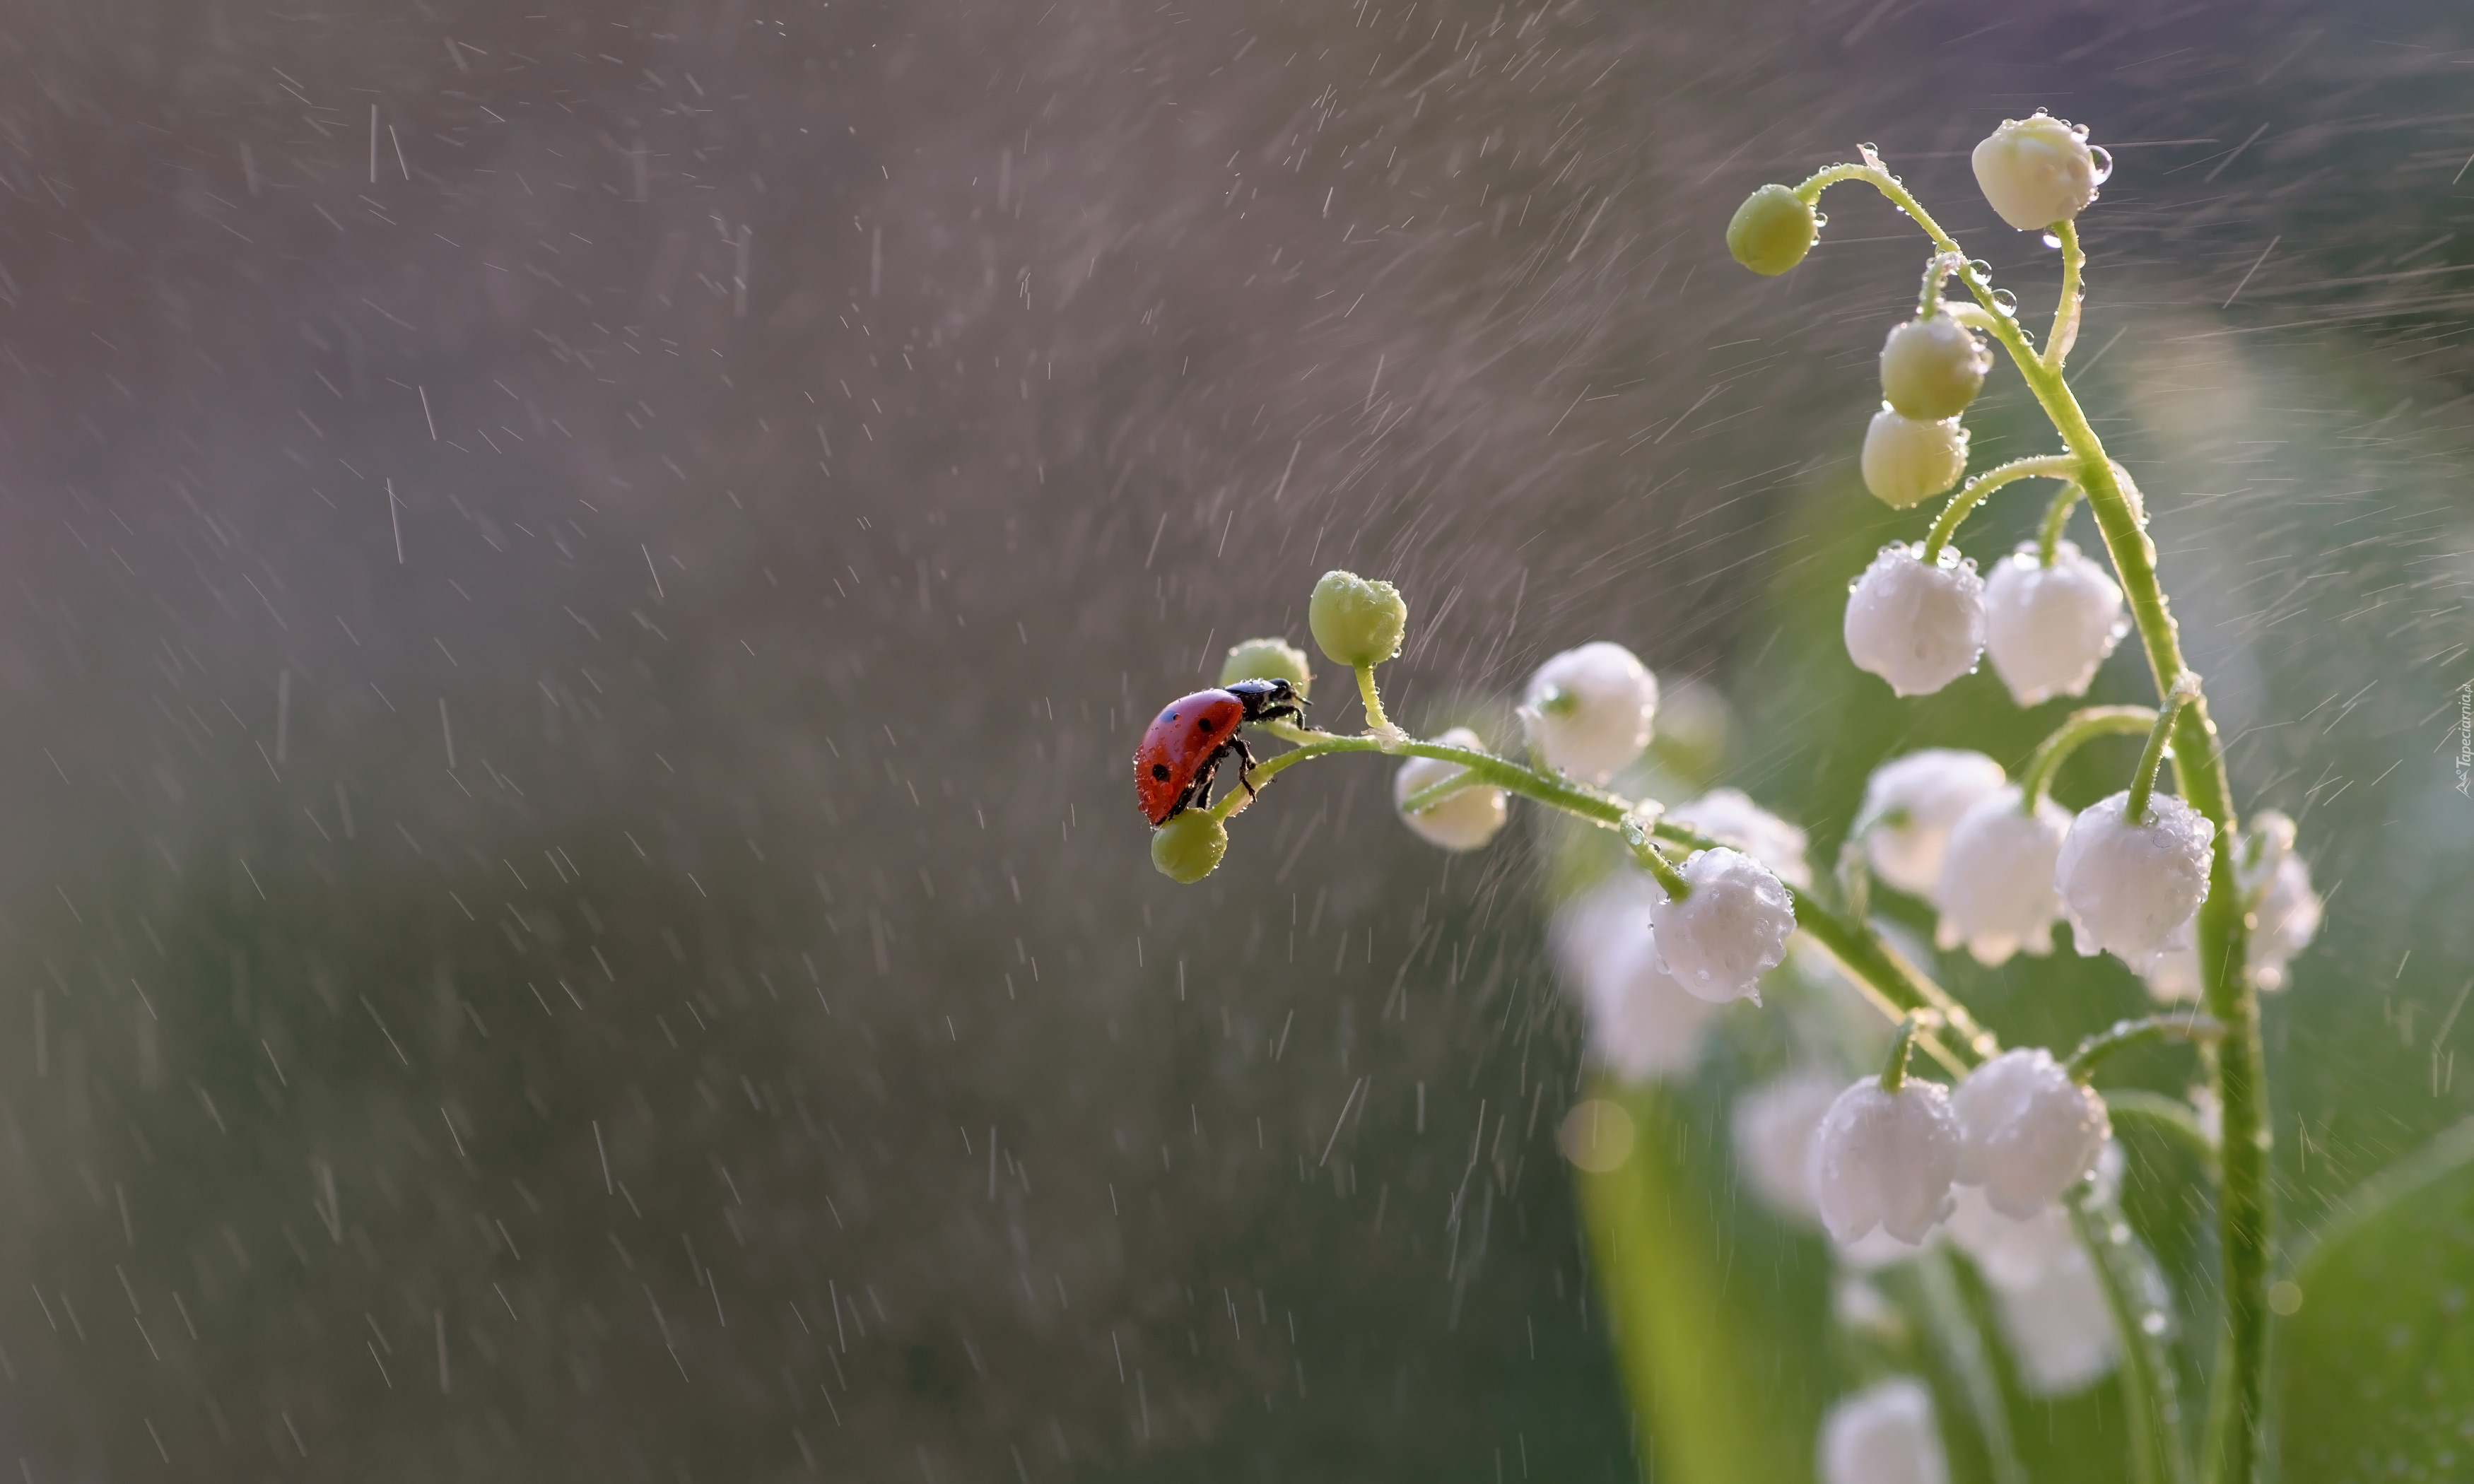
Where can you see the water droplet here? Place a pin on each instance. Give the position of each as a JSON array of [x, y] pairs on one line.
[[2103, 162], [1979, 268], [2004, 303], [1820, 220], [2051, 241]]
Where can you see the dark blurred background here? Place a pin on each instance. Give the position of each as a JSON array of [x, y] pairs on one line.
[[577, 574]]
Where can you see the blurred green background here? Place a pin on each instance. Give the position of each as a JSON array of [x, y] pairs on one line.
[[579, 571]]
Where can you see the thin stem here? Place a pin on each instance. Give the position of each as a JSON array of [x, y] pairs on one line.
[[2081, 726], [1936, 273], [2066, 314], [2057, 516], [2151, 758], [2122, 1034], [1375, 720], [1436, 793], [1955, 1330], [1635, 833], [2150, 1392], [1894, 1071], [2058, 466]]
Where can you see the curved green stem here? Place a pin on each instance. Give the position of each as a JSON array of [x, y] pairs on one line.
[[2244, 1214], [2058, 466], [2066, 314], [1894, 1070], [2057, 516], [2124, 1035], [2080, 726], [1375, 720], [2152, 757], [1635, 833], [1937, 272]]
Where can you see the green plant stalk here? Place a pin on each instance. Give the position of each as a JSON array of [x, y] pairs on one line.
[[1375, 720], [2170, 1116], [2081, 726], [2152, 759], [2122, 1034], [1954, 1332], [2057, 516], [2233, 1454], [2056, 465]]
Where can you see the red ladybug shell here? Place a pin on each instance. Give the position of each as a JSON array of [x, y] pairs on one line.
[[1177, 746]]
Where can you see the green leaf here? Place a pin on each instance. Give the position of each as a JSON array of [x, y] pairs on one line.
[[1699, 1364], [2376, 1369]]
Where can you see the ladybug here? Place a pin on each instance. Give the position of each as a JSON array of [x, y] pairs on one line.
[[1183, 746]]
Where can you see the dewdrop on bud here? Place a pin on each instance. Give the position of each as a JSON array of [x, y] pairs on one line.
[[1772, 230], [2027, 1131], [1910, 458], [1910, 805], [2048, 628], [1884, 1434], [1728, 816], [1188, 848], [2127, 885], [1730, 929], [1268, 659], [1931, 368], [1643, 1025], [1589, 710], [1356, 623], [1462, 820], [2039, 171], [1996, 893], [1774, 1127], [1917, 627], [1885, 1160]]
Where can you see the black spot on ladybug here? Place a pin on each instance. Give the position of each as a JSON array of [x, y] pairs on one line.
[[1160, 771], [1203, 724]]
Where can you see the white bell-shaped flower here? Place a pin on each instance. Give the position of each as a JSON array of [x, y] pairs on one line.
[[1907, 460], [2027, 1131], [1912, 803], [2037, 171], [1774, 1126], [1932, 368], [2127, 885], [1728, 816], [1643, 1025], [1459, 821], [1589, 710], [2285, 912], [1729, 930], [1885, 1160], [2013, 1253], [1884, 1434], [2048, 628], [1917, 627], [1996, 894], [2060, 1328]]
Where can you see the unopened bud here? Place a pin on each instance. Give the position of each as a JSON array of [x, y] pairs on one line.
[[1932, 368], [1357, 622], [1907, 459], [1267, 659], [2039, 171], [1188, 848], [1772, 230]]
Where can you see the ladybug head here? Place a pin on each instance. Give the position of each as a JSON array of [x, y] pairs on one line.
[[1267, 700]]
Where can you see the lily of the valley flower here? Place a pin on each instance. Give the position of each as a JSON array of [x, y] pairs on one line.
[[1910, 805], [1459, 821], [1590, 709], [1917, 627], [1728, 816], [1641, 1023], [1996, 893], [2048, 628], [1885, 1160], [2027, 1131], [1907, 459], [1729, 930], [2037, 171], [1884, 1434], [2129, 885]]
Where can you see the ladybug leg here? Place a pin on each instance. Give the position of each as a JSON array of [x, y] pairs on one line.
[[1199, 792], [1245, 765]]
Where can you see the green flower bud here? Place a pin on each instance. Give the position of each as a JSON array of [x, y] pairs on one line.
[[1932, 369], [1909, 459], [1188, 848], [1772, 230], [1357, 622], [1267, 659]]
